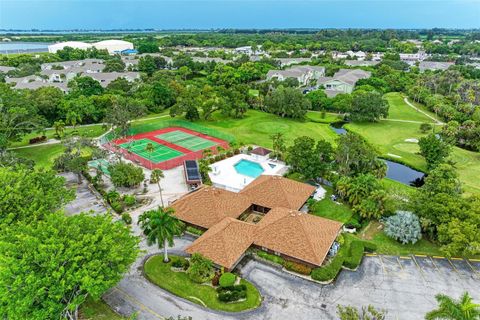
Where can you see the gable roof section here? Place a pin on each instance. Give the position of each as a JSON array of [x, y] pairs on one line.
[[297, 234], [276, 191], [225, 242], [207, 206]]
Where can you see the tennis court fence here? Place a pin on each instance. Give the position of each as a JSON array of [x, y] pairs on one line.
[[162, 124]]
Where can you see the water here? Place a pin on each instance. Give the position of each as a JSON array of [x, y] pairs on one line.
[[19, 47], [404, 174], [338, 127], [248, 168]]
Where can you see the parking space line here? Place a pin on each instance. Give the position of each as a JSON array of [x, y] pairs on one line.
[[456, 259], [383, 265], [421, 255], [404, 257], [419, 268], [474, 260], [435, 265], [370, 254], [398, 260], [138, 303], [438, 257], [471, 267], [453, 266]]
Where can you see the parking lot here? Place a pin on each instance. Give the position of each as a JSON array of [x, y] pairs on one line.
[[405, 286]]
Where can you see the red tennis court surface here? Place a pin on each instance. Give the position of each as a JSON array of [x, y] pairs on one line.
[[171, 147]]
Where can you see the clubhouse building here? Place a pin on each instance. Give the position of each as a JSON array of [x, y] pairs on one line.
[[264, 215]]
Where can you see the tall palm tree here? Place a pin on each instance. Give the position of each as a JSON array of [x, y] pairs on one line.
[[59, 128], [157, 175], [160, 226], [451, 309], [150, 148]]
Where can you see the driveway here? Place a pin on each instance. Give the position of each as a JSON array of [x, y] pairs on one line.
[[405, 286]]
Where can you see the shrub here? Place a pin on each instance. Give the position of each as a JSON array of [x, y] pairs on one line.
[[236, 151], [328, 272], [297, 267], [232, 293], [113, 196], [129, 200], [403, 227], [37, 139], [127, 218], [227, 279], [369, 246], [200, 269], [353, 223], [216, 279], [117, 206], [425, 127], [125, 174], [355, 257], [270, 257], [193, 230], [229, 153], [180, 263]]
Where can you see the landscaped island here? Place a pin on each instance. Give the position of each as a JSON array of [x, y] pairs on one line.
[[177, 281]]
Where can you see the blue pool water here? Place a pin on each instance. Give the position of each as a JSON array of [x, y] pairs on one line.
[[248, 168]]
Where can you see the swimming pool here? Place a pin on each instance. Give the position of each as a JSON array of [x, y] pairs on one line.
[[248, 168]]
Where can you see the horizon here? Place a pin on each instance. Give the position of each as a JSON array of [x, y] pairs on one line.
[[208, 15]]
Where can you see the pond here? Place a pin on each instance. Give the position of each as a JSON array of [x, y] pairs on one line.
[[338, 127], [403, 174]]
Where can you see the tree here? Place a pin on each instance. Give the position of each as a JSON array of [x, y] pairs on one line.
[[425, 127], [355, 156], [125, 174], [157, 175], [50, 267], [287, 102], [278, 142], [29, 195], [147, 64], [114, 64], [368, 106], [367, 313], [160, 226], [84, 86], [404, 226], [149, 148], [184, 72], [59, 127], [301, 157], [451, 309], [72, 160], [434, 150], [73, 118]]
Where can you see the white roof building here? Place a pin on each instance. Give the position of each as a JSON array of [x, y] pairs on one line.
[[113, 46], [73, 44]]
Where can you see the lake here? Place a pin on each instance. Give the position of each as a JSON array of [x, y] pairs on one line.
[[403, 174], [19, 47]]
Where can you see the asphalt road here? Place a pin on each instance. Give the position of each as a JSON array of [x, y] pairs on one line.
[[405, 286]]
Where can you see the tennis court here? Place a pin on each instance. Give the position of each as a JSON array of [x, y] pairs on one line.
[[160, 152], [186, 140]]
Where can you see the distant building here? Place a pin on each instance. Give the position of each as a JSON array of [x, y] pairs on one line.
[[361, 63], [72, 44], [303, 74], [434, 65], [112, 46], [343, 81], [5, 69], [419, 56], [105, 78], [128, 52], [285, 62]]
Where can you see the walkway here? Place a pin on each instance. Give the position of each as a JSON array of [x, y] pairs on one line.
[[438, 122]]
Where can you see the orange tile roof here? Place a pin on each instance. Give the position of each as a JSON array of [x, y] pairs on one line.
[[296, 234], [225, 242], [209, 205], [276, 191]]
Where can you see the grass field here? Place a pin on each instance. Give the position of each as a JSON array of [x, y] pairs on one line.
[[180, 284], [97, 310], [400, 110], [326, 208], [42, 155]]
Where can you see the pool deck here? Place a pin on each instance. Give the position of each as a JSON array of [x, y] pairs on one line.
[[224, 175]]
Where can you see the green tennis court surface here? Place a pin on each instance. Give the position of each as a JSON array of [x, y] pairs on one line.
[[160, 152], [186, 140]]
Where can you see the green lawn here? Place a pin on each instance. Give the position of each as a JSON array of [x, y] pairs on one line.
[[256, 127], [388, 246], [400, 110], [326, 208], [88, 132], [98, 310], [42, 155], [180, 284], [316, 116]]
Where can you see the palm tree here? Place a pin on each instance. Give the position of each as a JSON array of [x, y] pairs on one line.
[[157, 175], [150, 148], [451, 309], [59, 128], [160, 226]]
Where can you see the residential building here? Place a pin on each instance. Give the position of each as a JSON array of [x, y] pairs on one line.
[[434, 65], [105, 78], [361, 63], [264, 215], [285, 62], [343, 81], [304, 74]]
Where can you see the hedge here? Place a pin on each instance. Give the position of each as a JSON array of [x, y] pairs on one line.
[[330, 271], [355, 257], [297, 267], [270, 257]]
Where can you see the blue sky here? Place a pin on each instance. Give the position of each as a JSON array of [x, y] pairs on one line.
[[201, 14]]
